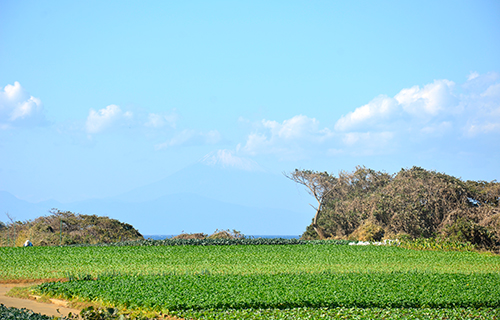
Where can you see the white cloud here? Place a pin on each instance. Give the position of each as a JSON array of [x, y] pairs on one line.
[[435, 109], [437, 113], [473, 75], [288, 139], [191, 138], [295, 128], [420, 104], [481, 106], [19, 108], [227, 158], [493, 91], [97, 121], [430, 100], [158, 120], [479, 82], [380, 108]]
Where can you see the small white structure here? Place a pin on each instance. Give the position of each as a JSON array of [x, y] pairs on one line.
[[386, 242], [28, 244]]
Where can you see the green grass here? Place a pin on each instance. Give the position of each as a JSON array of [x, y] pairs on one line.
[[56, 262]]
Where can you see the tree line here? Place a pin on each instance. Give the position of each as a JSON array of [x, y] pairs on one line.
[[415, 203]]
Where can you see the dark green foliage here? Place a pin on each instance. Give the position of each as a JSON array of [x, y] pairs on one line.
[[343, 313], [91, 313], [20, 314], [310, 234], [215, 242], [170, 292], [76, 229], [469, 231]]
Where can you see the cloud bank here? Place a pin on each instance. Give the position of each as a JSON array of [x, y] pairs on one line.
[[227, 158], [100, 120], [287, 139], [439, 112], [436, 115]]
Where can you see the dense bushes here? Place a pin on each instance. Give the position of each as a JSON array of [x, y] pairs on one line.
[[65, 228], [369, 205]]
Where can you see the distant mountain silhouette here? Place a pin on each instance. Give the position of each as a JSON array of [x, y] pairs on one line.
[[21, 210], [248, 188], [172, 214], [200, 198]]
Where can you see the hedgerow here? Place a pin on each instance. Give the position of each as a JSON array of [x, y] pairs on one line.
[[215, 242]]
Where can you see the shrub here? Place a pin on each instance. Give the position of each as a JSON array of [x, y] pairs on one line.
[[190, 236], [468, 231], [368, 231], [226, 234]]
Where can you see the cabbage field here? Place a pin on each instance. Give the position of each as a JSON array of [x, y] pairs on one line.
[[299, 281]]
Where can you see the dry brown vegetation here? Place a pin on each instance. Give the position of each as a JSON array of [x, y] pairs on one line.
[[218, 234], [370, 205], [67, 228]]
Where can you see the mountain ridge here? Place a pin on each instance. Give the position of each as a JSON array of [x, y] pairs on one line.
[[199, 198]]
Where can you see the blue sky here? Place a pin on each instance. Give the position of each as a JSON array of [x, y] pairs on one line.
[[100, 97]]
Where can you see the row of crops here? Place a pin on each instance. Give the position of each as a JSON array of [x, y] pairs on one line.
[[216, 242], [165, 293], [280, 314], [306, 281], [33, 263]]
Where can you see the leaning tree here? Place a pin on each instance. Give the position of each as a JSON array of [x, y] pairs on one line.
[[320, 185]]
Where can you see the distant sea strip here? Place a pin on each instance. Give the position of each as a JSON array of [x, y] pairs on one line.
[[169, 236]]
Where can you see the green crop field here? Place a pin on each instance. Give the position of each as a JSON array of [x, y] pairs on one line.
[[57, 262], [306, 281], [287, 290]]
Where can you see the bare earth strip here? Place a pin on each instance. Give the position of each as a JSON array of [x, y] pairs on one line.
[[48, 309]]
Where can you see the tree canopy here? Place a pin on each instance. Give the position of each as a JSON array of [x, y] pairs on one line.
[[370, 205]]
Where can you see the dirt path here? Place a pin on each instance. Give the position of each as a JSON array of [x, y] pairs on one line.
[[49, 309]]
